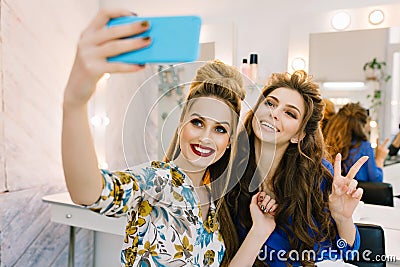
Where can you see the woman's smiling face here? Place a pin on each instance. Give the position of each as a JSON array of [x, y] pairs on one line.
[[204, 133], [278, 119]]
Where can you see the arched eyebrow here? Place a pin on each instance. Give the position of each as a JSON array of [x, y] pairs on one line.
[[204, 118], [291, 106]]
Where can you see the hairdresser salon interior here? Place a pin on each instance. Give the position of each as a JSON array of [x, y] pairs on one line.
[[350, 47]]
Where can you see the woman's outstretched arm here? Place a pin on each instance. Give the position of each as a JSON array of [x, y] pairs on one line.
[[96, 43]]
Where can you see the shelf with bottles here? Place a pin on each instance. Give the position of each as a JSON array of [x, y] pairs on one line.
[[250, 71]]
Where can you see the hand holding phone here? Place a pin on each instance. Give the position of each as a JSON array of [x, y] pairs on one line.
[[173, 40]]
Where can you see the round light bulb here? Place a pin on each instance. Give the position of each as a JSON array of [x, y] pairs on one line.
[[341, 20], [98, 121], [376, 17], [373, 124], [298, 63], [95, 121], [106, 121]]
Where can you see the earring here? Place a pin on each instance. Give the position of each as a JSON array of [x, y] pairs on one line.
[[229, 146], [294, 140]]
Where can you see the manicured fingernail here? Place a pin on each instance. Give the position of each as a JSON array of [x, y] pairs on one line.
[[134, 14], [147, 38], [141, 65], [145, 23], [262, 197], [262, 207]]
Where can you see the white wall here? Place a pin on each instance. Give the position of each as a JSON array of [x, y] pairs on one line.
[[38, 47], [37, 41]]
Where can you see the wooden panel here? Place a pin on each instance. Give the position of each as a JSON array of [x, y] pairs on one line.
[[38, 54], [32, 103], [28, 238], [2, 147], [56, 253]]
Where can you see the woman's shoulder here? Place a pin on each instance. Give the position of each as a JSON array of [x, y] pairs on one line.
[[152, 165], [365, 147], [151, 168], [365, 143], [163, 171]]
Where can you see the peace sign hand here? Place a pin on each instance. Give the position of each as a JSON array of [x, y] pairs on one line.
[[345, 195], [381, 152]]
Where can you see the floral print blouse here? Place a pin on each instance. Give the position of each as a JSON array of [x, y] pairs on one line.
[[164, 222]]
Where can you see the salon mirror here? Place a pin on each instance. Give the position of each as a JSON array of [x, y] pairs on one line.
[[338, 56], [336, 60]]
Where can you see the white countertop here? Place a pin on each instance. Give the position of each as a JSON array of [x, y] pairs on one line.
[[64, 211], [391, 174]]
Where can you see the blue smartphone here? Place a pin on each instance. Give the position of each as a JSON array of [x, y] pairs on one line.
[[174, 39]]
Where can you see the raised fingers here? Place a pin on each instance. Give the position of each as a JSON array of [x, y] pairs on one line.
[[385, 142], [337, 168], [356, 167]]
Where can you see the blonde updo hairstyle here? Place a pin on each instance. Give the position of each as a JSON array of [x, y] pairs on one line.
[[225, 83]]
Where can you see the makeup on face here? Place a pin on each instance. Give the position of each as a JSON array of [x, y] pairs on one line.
[[205, 133], [202, 151], [278, 118]]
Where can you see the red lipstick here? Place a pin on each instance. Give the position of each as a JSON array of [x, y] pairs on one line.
[[202, 151]]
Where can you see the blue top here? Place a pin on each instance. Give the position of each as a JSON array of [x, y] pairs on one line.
[[277, 245], [369, 172]]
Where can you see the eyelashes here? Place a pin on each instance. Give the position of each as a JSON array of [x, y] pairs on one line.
[[196, 122], [270, 104], [199, 123]]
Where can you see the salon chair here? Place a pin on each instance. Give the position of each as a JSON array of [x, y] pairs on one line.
[[377, 193], [373, 240]]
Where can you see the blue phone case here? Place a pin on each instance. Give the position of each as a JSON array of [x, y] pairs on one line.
[[174, 39]]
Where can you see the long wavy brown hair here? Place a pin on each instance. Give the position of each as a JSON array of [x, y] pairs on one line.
[[345, 131], [329, 111], [225, 83], [303, 204]]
